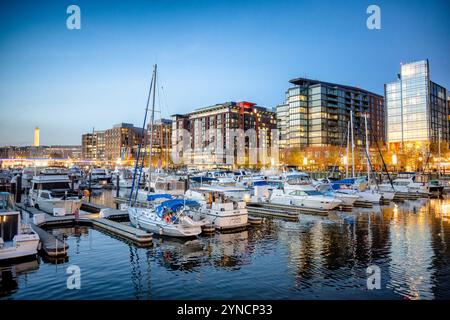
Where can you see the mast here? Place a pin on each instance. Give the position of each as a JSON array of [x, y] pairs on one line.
[[439, 152], [152, 86], [348, 145], [367, 150], [152, 120], [353, 144]]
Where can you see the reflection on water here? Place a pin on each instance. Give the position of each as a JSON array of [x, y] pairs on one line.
[[315, 258]]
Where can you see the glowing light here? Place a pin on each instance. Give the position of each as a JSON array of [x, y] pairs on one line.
[[305, 161], [394, 159], [344, 160]]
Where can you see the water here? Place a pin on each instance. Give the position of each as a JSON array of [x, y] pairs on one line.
[[312, 259]]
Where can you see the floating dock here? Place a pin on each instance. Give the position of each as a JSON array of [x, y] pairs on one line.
[[119, 230], [282, 211], [51, 245]]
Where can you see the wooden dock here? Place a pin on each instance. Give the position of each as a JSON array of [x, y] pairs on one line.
[[121, 230], [103, 211], [51, 245], [282, 211]]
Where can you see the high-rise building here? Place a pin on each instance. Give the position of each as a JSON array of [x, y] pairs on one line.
[[162, 139], [93, 145], [121, 141], [36, 137], [316, 113], [212, 133], [416, 107]]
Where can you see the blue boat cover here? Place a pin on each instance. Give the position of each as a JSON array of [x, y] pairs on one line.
[[152, 197], [345, 181], [202, 179], [174, 205], [260, 183]]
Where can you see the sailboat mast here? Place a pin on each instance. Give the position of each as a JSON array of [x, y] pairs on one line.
[[152, 120], [348, 145], [353, 144], [439, 152], [367, 150]]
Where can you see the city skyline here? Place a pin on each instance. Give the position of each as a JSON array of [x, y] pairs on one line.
[[68, 81]]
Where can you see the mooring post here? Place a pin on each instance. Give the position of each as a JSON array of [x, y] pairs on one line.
[[19, 189], [90, 185]]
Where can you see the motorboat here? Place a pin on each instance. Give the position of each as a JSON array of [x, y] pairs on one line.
[[346, 198], [53, 195], [99, 178], [415, 188], [359, 187], [220, 206], [167, 218], [306, 197], [435, 187], [17, 239]]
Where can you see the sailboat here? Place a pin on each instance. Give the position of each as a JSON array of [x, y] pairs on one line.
[[354, 185], [168, 217]]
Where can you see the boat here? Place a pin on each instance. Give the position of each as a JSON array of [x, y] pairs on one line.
[[347, 199], [220, 206], [53, 195], [17, 239], [304, 197], [357, 186], [166, 218], [99, 178], [435, 187]]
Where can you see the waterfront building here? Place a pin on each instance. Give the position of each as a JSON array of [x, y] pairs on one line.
[[417, 108], [316, 114], [121, 142], [162, 140], [93, 145], [42, 152], [211, 134]]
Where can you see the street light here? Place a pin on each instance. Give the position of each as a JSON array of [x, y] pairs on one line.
[[394, 160]]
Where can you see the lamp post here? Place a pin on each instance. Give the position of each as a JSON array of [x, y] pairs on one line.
[[394, 160]]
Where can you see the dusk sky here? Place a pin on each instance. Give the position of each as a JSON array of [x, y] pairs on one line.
[[69, 81]]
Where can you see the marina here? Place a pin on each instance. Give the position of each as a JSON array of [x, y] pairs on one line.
[[312, 257]]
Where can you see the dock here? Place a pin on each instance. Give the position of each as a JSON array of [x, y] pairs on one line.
[[51, 245], [282, 211], [124, 231], [92, 218]]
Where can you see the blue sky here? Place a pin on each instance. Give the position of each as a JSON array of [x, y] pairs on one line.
[[68, 81]]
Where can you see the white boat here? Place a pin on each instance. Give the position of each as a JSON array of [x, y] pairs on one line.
[[413, 187], [219, 207], [346, 198], [311, 199], [17, 239], [99, 178], [53, 195], [167, 218], [357, 186]]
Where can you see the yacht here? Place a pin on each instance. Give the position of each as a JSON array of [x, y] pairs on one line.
[[413, 187], [219, 206], [167, 218], [357, 186], [53, 195], [99, 178], [304, 197], [125, 178], [17, 239], [326, 189]]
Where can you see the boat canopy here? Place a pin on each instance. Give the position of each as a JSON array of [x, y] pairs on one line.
[[260, 183], [152, 197], [202, 179], [345, 181], [174, 205]]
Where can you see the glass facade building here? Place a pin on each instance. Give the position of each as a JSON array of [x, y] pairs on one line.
[[416, 107], [317, 113]]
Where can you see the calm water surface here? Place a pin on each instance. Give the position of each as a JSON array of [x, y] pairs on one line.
[[314, 258]]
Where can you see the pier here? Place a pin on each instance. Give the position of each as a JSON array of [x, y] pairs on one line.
[[92, 218]]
